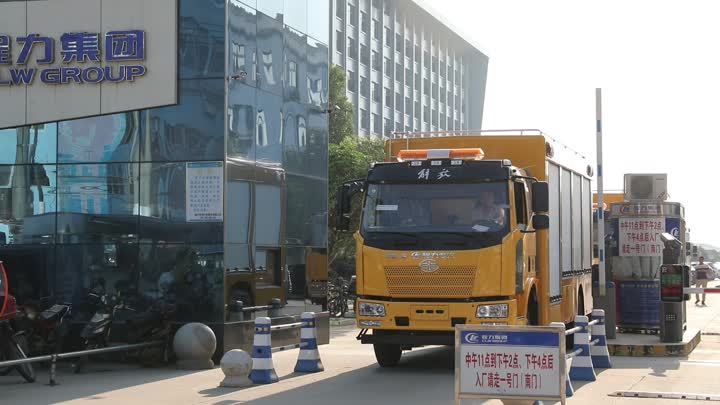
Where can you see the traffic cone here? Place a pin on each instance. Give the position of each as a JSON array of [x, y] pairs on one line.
[[309, 357], [263, 371], [599, 352], [582, 367]]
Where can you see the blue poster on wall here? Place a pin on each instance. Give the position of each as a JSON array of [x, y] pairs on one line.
[[638, 304]]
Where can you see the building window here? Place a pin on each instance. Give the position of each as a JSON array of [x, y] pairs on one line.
[[388, 128], [388, 98], [426, 89], [418, 53], [398, 101], [408, 105], [376, 94], [398, 72], [352, 48], [398, 42], [376, 3], [388, 67], [293, 74], [417, 108], [364, 88], [417, 81], [408, 48], [364, 22], [377, 29], [426, 59], [352, 81], [364, 119], [340, 43], [377, 124], [398, 126], [353, 14], [340, 8], [408, 77], [388, 37], [364, 54], [376, 64]]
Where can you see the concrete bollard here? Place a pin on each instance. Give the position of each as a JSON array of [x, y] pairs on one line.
[[569, 391], [236, 364], [599, 352], [309, 356], [263, 371], [276, 305], [582, 367], [194, 345]]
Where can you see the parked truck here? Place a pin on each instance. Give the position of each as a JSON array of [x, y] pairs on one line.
[[483, 228]]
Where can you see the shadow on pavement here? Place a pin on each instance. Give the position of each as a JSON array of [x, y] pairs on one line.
[[73, 386]]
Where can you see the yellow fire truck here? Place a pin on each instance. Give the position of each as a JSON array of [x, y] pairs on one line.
[[482, 228]]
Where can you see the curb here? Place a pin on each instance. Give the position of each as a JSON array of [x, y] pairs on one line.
[[659, 350]]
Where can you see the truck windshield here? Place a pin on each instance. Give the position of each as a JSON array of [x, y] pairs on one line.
[[471, 208]]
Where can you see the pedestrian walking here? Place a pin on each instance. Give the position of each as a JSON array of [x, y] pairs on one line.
[[702, 275]]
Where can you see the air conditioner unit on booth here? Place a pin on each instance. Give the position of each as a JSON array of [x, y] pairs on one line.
[[646, 187]]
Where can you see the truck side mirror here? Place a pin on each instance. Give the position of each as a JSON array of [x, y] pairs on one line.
[[540, 222], [540, 197], [344, 203]]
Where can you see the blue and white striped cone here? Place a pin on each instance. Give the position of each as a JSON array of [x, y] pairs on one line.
[[309, 357], [569, 391], [263, 371], [582, 367], [599, 352]]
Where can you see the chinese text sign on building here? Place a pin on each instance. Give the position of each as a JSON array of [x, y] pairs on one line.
[[204, 192], [509, 362], [641, 236], [67, 59]]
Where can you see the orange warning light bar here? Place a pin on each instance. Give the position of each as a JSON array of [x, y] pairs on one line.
[[425, 154]]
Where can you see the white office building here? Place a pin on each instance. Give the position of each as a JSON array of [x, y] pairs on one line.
[[407, 69]]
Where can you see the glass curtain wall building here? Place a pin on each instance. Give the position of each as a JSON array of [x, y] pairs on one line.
[[219, 198]]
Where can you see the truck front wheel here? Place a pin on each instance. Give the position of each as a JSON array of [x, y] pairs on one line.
[[387, 355]]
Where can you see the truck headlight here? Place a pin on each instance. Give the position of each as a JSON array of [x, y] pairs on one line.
[[371, 309], [492, 311]]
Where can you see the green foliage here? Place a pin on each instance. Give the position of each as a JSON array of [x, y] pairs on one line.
[[349, 160], [342, 115]]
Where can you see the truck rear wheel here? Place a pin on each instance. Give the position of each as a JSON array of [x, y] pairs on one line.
[[387, 355]]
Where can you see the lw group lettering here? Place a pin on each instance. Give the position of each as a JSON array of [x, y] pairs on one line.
[[74, 48]]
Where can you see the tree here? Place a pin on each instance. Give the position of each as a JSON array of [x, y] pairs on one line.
[[349, 160], [342, 111]]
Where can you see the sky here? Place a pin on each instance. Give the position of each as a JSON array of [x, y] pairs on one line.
[[657, 62]]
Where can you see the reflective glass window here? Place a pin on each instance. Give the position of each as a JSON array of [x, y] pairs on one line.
[[190, 276], [241, 122], [27, 204], [318, 26], [317, 57], [192, 130], [268, 214], [101, 267], [27, 145], [296, 65], [317, 144], [295, 136], [108, 138], [306, 210], [237, 259], [270, 54], [297, 273], [238, 193], [30, 271], [269, 127], [97, 203], [242, 43], [296, 14], [163, 207], [272, 8], [201, 39]]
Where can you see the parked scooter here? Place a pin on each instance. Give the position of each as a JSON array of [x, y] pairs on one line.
[[96, 333]]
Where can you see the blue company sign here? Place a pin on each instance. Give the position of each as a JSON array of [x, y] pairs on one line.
[[79, 47], [548, 339]]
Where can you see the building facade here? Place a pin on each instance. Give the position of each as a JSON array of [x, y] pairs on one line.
[[218, 198], [407, 69]]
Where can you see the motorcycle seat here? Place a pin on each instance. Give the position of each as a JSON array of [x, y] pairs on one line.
[[55, 312]]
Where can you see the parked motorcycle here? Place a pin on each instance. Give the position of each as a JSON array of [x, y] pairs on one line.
[[96, 332], [12, 343], [46, 329], [339, 294]]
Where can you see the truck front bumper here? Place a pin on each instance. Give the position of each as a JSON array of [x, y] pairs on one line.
[[432, 316]]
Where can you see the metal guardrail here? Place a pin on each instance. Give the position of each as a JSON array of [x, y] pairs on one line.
[[53, 358], [238, 311]]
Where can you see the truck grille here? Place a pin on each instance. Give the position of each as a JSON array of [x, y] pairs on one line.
[[447, 281]]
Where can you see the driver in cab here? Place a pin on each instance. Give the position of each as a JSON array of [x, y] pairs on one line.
[[487, 210]]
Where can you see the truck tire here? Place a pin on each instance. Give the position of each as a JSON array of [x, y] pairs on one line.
[[387, 355]]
